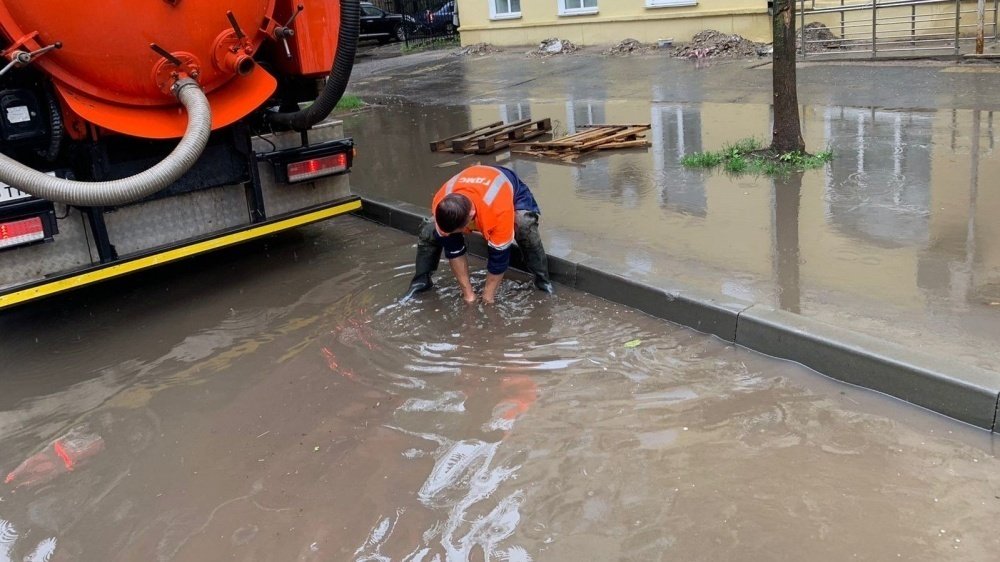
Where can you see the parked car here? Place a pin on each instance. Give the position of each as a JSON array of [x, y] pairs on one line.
[[441, 20], [384, 26]]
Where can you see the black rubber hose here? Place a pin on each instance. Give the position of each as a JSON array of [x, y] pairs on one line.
[[56, 127], [340, 73]]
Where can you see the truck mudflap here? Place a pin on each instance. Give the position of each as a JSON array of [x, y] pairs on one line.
[[93, 274]]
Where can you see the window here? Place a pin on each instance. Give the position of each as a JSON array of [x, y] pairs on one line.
[[505, 9], [371, 11], [577, 7], [667, 3]]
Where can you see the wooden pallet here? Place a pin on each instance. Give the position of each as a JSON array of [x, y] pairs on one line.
[[588, 139], [493, 137]]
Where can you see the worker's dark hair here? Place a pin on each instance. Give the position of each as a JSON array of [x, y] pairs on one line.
[[452, 212]]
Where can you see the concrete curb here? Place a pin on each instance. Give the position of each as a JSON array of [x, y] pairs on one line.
[[962, 392]]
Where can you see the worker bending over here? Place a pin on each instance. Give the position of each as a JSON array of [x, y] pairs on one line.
[[495, 202]]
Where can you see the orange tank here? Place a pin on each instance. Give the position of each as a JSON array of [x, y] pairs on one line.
[[107, 72], [314, 45]]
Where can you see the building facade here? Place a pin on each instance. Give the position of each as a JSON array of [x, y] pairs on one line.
[[600, 22], [595, 22]]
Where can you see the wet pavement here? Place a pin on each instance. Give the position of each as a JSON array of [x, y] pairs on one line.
[[373, 58], [276, 402], [896, 238]]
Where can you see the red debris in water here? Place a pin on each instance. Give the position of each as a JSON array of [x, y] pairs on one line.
[[331, 359], [521, 392], [63, 455]]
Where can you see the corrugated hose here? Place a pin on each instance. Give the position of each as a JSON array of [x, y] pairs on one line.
[[133, 188]]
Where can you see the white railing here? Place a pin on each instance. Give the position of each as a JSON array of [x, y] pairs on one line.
[[881, 27]]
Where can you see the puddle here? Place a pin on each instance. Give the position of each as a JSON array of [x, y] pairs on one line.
[[319, 419]]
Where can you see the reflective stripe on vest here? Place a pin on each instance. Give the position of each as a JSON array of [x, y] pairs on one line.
[[491, 193], [450, 186], [495, 187]]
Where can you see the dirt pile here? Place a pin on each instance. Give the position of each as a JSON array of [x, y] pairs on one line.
[[478, 50], [554, 46], [819, 38], [629, 47], [715, 44]]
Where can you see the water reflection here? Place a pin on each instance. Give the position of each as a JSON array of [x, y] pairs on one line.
[[952, 274], [878, 188], [511, 112], [390, 164], [676, 132], [890, 229], [785, 257]]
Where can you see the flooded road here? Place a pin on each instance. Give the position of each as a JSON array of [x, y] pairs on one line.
[[276, 402], [895, 238]]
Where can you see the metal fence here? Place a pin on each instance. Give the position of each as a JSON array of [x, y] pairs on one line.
[[424, 20], [893, 27]]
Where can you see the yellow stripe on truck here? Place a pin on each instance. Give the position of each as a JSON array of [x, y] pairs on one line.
[[168, 256]]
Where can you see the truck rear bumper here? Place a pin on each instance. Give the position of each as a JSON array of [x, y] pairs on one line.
[[191, 247]]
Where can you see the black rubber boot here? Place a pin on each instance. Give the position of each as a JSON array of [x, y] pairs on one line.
[[428, 258], [530, 242], [545, 286]]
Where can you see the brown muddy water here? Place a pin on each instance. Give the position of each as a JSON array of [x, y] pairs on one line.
[[897, 238], [277, 402]]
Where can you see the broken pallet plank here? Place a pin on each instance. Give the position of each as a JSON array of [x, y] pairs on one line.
[[560, 143], [644, 125], [633, 131], [589, 134], [545, 145], [626, 144], [581, 134], [549, 159], [587, 141]]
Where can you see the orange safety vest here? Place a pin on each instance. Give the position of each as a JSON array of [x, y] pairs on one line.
[[492, 195]]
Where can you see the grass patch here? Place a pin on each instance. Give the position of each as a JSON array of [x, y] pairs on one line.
[[750, 156], [349, 103], [742, 147], [702, 160], [736, 164], [419, 45]]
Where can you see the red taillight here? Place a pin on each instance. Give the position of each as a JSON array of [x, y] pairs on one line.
[[317, 167], [21, 231]]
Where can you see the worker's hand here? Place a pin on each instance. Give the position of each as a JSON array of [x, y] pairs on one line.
[[469, 296]]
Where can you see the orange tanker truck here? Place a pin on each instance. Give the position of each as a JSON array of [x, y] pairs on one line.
[[137, 133]]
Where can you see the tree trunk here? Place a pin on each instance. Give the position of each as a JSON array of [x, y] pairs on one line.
[[787, 133]]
